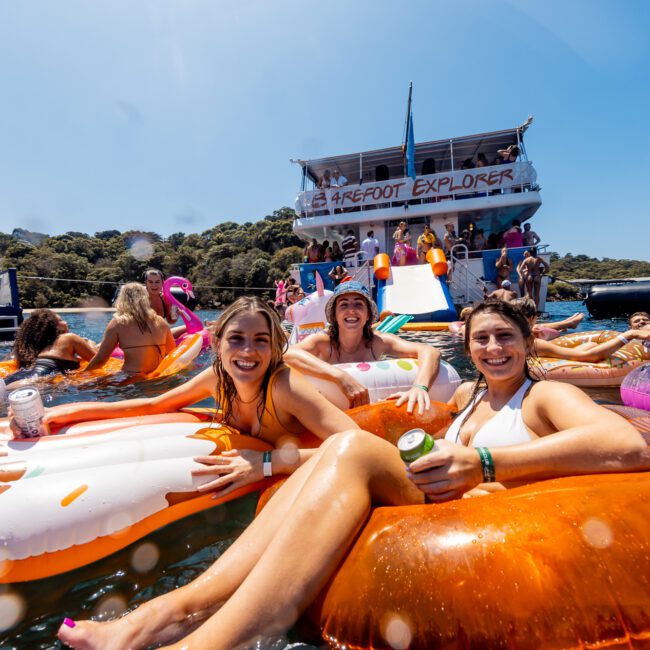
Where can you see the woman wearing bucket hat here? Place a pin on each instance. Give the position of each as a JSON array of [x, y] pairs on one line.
[[350, 338]]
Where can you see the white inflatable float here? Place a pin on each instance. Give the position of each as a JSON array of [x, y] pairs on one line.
[[383, 378]]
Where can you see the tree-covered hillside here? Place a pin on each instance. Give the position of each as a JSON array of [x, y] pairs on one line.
[[222, 263], [573, 267], [229, 255]]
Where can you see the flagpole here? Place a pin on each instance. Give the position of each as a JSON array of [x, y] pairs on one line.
[[406, 128]]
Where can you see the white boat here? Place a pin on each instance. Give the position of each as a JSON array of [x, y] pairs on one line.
[[447, 188]]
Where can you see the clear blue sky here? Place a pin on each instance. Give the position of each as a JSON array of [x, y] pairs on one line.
[[173, 116]]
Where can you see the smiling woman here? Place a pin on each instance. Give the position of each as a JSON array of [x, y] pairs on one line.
[[257, 393], [259, 588], [351, 338]]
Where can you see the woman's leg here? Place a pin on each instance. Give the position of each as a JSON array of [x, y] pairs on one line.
[[537, 285], [351, 473], [173, 615]]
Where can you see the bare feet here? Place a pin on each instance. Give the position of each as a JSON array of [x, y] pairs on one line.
[[575, 320], [150, 624]]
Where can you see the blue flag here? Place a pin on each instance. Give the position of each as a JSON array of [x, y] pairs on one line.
[[410, 149]]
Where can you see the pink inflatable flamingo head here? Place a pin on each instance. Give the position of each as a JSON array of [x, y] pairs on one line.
[[191, 320]]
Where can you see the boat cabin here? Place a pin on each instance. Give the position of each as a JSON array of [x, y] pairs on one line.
[[478, 183]]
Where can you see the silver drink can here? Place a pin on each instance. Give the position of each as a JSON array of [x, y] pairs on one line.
[[27, 407]]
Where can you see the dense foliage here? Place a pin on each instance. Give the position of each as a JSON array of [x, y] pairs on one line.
[[221, 263], [574, 267]]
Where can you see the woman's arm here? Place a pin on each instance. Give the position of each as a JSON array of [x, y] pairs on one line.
[[428, 367], [295, 400], [305, 357], [577, 437], [82, 347], [591, 355], [195, 390], [106, 347]]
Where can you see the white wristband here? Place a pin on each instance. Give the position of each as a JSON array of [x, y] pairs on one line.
[[267, 468], [622, 339]]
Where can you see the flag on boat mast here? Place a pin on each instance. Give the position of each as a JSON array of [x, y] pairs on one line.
[[408, 149]]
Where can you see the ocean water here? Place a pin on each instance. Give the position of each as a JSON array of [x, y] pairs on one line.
[[179, 552]]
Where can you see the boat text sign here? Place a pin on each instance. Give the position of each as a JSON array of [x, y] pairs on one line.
[[465, 181]]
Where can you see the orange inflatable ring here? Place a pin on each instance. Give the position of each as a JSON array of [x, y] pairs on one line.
[[103, 485], [609, 372], [555, 564]]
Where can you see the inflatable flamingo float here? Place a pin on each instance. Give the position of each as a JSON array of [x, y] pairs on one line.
[[192, 322]]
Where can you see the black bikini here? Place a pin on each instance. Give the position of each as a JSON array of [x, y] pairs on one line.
[[43, 366]]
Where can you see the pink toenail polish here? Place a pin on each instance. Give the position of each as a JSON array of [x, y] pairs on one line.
[[69, 622]]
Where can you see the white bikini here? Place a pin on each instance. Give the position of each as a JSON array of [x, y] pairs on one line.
[[506, 427]]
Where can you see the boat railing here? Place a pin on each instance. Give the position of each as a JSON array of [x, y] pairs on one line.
[[452, 185], [466, 287]]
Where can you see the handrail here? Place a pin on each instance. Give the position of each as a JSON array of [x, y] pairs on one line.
[[471, 293]]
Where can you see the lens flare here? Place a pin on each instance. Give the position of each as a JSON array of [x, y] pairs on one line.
[[597, 533], [12, 610], [110, 607], [141, 248], [145, 557], [397, 633]]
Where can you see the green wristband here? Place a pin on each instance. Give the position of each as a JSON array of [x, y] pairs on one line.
[[267, 468], [487, 463], [422, 386]]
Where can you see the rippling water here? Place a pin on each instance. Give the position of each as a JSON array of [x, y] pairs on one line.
[[179, 552]]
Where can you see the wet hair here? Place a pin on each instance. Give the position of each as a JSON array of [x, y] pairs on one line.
[[514, 316], [226, 390], [149, 272], [36, 334], [464, 313], [526, 305], [333, 328], [132, 306], [638, 313]]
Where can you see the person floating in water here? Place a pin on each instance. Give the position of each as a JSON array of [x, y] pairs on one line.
[[277, 567]]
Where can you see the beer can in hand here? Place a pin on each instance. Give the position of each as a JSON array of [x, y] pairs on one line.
[[27, 407], [413, 444]]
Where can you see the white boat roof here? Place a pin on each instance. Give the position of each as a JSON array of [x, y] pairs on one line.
[[468, 146]]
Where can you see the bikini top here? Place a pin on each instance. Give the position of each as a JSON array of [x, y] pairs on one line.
[[62, 365], [506, 427], [161, 354]]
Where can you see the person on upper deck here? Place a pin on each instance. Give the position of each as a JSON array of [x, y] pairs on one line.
[[530, 237], [338, 180], [449, 239], [326, 180], [508, 155], [482, 161], [513, 238]]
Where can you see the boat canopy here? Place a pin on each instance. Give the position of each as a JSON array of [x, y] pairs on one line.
[[430, 157]]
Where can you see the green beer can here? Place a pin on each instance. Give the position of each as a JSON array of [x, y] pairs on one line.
[[413, 444]]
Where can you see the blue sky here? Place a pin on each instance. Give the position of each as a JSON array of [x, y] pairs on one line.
[[174, 116]]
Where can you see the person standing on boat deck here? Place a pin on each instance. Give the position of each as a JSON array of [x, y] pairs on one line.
[[153, 281], [350, 247], [337, 253], [350, 338], [479, 240], [326, 251], [536, 267], [449, 239], [504, 267], [530, 237], [522, 275], [527, 430], [512, 238], [313, 252], [426, 241], [338, 180], [370, 246]]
